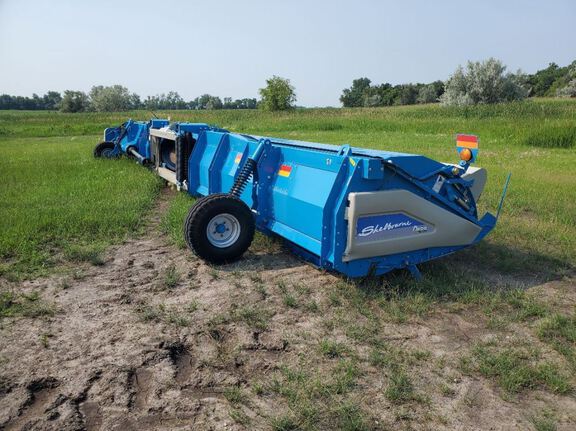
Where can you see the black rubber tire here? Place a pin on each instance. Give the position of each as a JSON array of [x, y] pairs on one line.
[[99, 149], [204, 210]]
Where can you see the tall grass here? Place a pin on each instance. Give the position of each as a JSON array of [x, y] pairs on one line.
[[552, 137]]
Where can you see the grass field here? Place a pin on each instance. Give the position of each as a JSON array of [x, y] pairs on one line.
[[480, 331], [58, 199]]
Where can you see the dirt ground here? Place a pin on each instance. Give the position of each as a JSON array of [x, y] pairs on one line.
[[154, 339]]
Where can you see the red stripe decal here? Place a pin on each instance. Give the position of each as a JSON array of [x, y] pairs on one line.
[[467, 138]]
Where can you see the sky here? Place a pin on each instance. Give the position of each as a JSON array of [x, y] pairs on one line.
[[228, 48]]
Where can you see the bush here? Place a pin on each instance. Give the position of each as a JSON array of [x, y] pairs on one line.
[[568, 91], [427, 94], [483, 83]]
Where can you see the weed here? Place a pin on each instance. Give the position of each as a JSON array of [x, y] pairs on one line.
[[161, 313], [447, 390], [256, 277], [261, 289], [171, 277], [239, 417], [254, 317], [258, 388], [282, 286], [214, 274], [192, 306], [544, 422], [311, 306], [284, 423], [334, 299], [290, 301], [44, 339], [332, 349], [149, 314], [234, 395], [400, 389]]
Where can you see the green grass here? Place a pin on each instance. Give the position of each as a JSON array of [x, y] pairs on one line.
[[517, 368], [552, 137], [14, 304], [560, 332], [79, 201], [319, 398], [59, 204]]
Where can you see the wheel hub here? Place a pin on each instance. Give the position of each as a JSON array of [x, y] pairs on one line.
[[223, 230]]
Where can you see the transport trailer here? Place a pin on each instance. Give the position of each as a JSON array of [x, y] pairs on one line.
[[352, 210]]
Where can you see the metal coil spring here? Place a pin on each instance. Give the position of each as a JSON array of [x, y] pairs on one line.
[[243, 177]]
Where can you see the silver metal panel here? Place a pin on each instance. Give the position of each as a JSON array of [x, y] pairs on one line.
[[443, 227], [161, 133], [167, 174], [479, 175]]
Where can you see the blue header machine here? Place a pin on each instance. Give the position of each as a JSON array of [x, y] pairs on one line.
[[351, 210]]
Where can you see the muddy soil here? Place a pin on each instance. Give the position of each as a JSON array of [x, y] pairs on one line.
[[133, 347]]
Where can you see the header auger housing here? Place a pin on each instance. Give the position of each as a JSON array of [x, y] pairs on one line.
[[351, 210]]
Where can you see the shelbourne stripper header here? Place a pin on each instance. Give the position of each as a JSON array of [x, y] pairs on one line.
[[351, 210]]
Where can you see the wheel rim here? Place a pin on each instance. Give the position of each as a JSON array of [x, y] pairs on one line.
[[223, 230], [107, 152]]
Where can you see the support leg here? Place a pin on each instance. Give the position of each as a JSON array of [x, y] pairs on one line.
[[415, 272]]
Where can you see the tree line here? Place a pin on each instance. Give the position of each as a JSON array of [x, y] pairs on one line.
[[478, 82], [118, 98]]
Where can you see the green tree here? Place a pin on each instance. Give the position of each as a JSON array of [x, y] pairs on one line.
[[51, 100], [113, 98], [74, 101], [278, 95], [357, 95], [408, 94]]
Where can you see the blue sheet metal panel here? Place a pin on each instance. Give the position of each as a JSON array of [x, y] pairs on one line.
[[335, 148], [200, 162], [136, 136], [416, 165], [111, 133], [194, 128], [158, 123], [299, 196], [219, 157]]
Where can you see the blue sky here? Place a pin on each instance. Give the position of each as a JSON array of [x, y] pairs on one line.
[[229, 48]]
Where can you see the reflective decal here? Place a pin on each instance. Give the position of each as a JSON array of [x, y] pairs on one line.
[[285, 171]]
